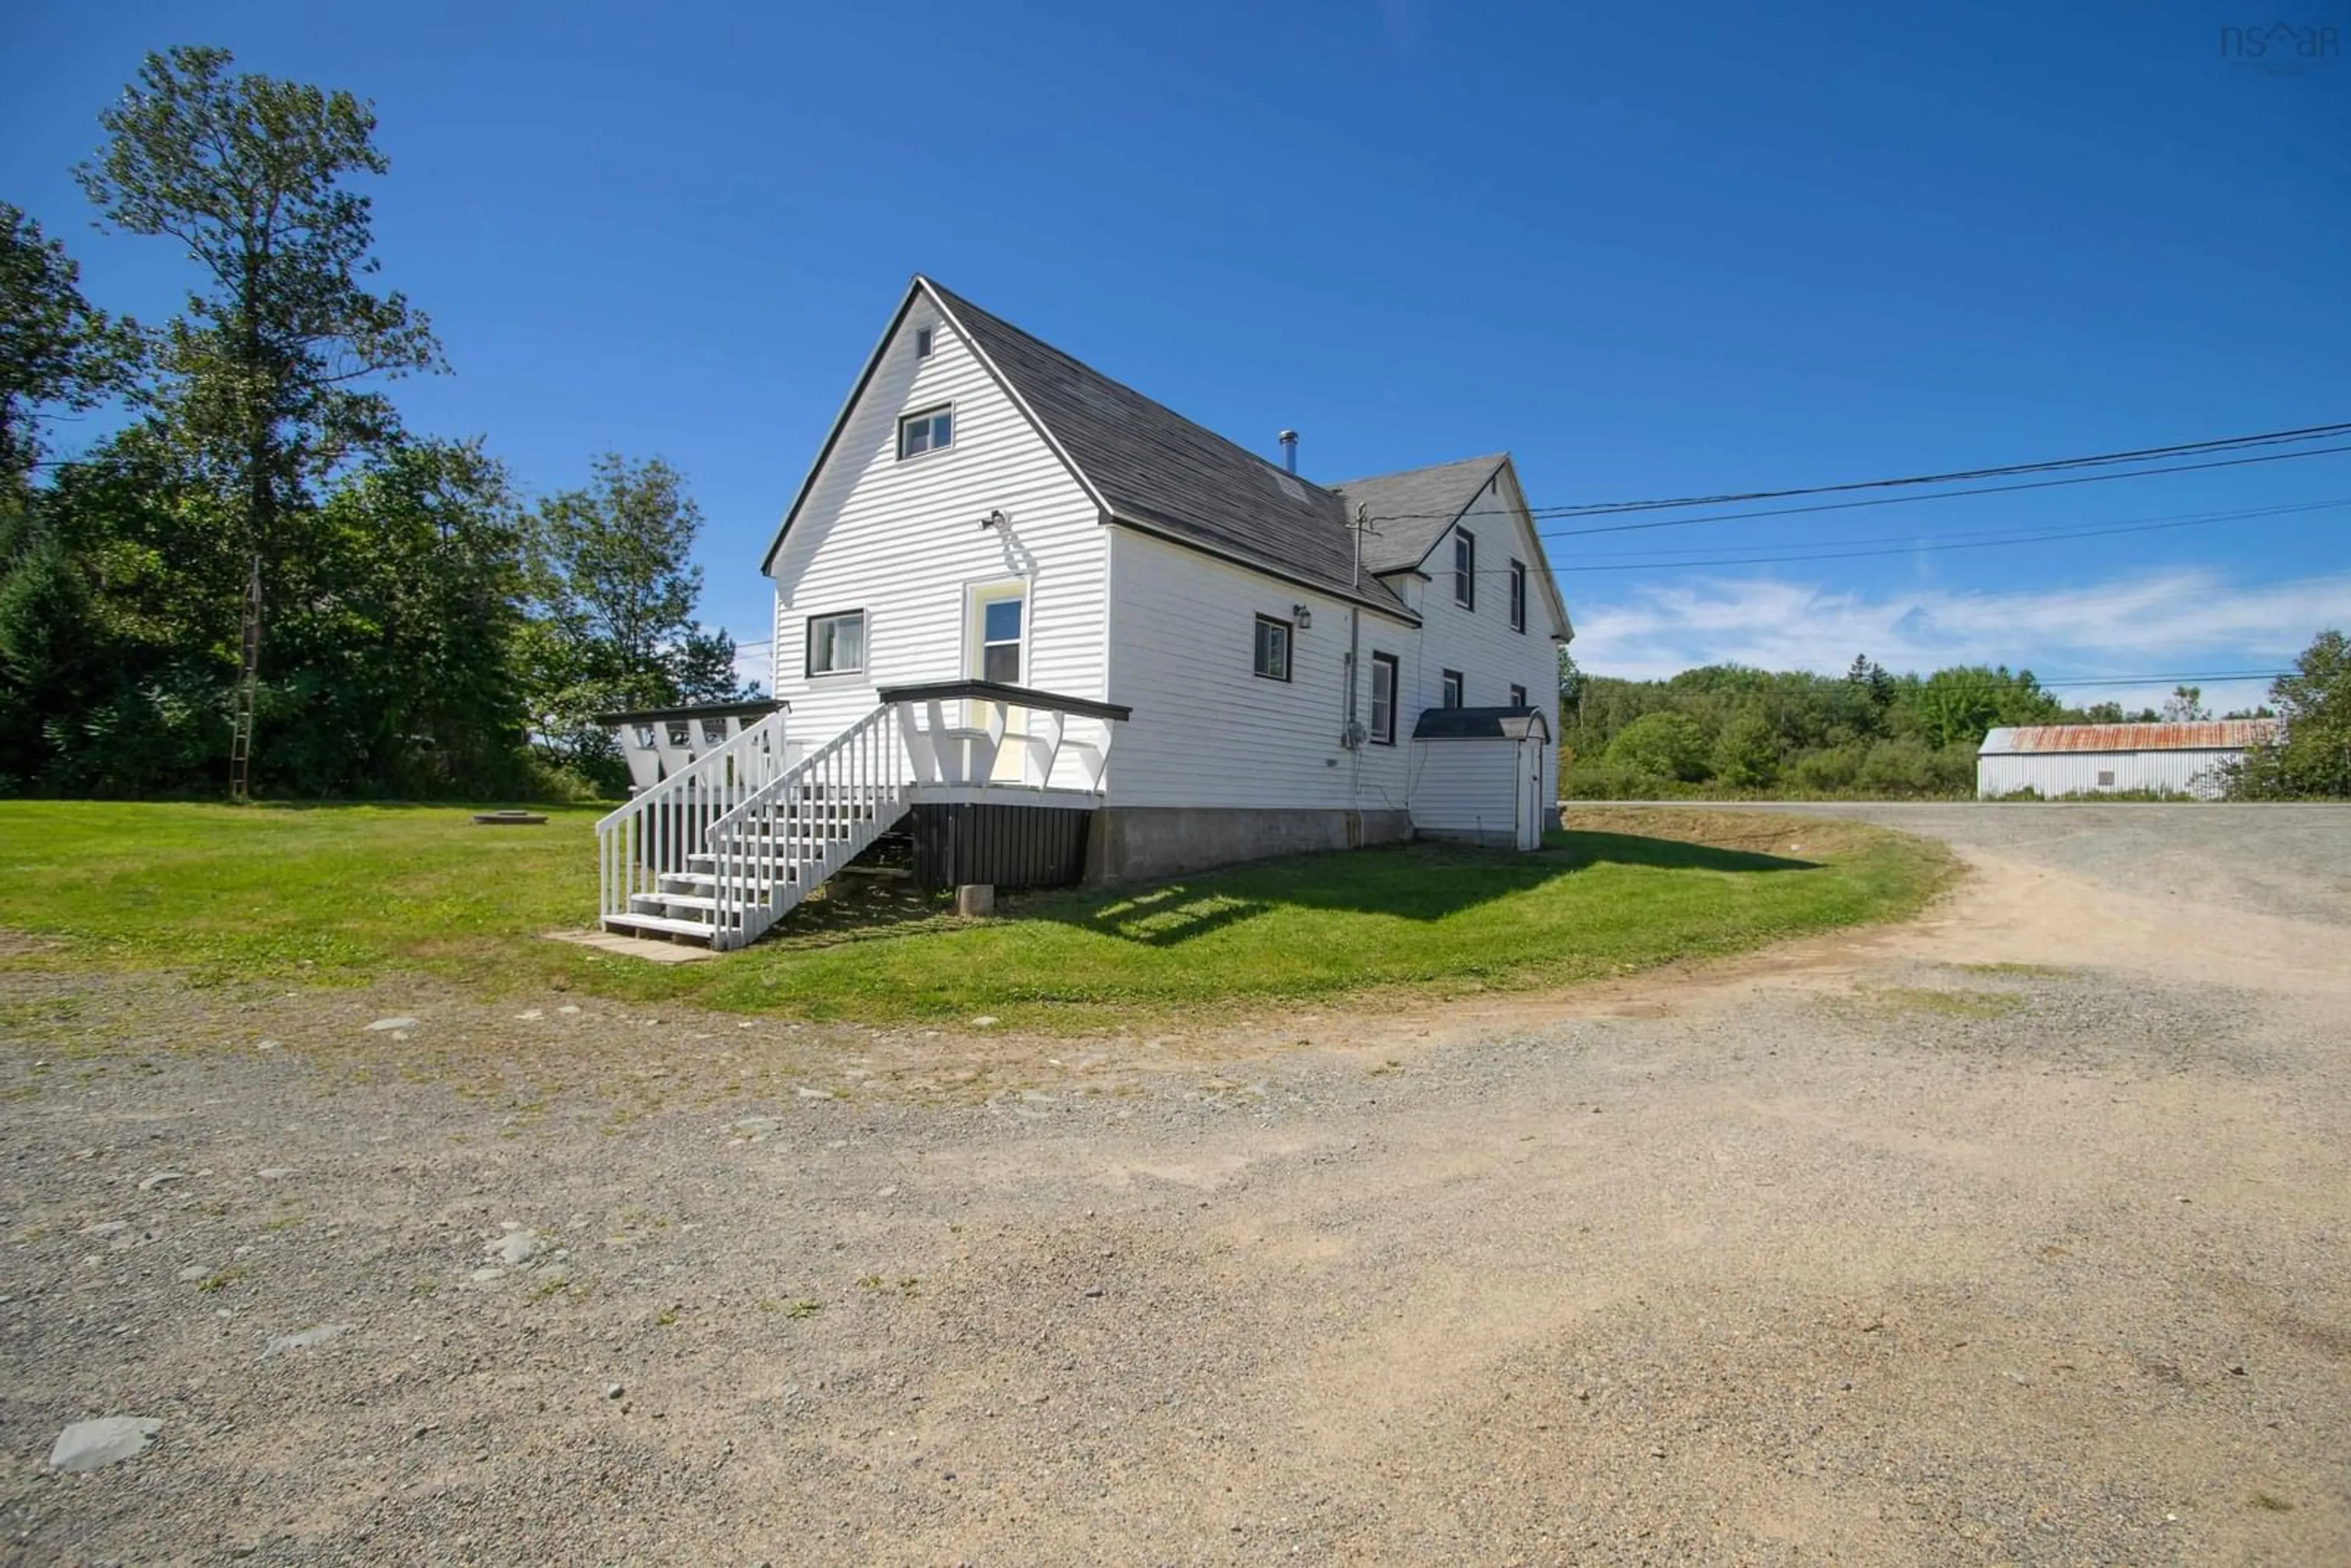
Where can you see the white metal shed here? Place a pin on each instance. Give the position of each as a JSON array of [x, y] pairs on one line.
[[2111, 758], [1482, 774]]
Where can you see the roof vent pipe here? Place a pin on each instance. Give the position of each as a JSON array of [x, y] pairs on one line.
[[1290, 452]]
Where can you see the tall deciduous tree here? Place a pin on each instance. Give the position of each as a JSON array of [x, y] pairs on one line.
[[616, 586], [2314, 759]]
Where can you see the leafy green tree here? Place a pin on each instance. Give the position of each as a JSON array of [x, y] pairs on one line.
[[2312, 761], [55, 350], [616, 587], [1666, 745], [1956, 707], [2185, 705], [1747, 753]]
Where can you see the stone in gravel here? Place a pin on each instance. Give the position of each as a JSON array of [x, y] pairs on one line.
[[530, 1014], [613, 1391], [381, 1024], [274, 1173], [159, 1178], [266, 1045], [568, 1008], [515, 1248], [305, 1338], [193, 1274], [485, 1276], [109, 1440], [806, 1094], [985, 1021], [757, 1126]]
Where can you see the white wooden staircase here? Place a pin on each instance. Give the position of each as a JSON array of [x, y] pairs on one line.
[[720, 850]]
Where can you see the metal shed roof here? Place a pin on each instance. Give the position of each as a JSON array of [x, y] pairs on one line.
[[2206, 735], [1481, 724]]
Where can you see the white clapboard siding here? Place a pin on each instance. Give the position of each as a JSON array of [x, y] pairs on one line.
[[1466, 786], [902, 540], [1208, 730]]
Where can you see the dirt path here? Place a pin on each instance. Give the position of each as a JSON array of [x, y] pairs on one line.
[[2017, 1235]]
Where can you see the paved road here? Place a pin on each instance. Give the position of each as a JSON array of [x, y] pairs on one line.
[[2019, 1236]]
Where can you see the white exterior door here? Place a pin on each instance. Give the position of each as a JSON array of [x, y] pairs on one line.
[[1531, 804], [997, 650]]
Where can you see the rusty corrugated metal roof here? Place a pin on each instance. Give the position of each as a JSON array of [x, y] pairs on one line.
[[2206, 735]]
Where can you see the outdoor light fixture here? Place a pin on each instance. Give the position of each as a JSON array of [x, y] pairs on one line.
[[1303, 616], [994, 519]]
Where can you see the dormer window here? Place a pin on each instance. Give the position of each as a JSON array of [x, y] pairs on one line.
[[925, 432], [923, 341], [1465, 568]]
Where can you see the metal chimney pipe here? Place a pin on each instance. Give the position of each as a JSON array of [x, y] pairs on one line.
[[1289, 451]]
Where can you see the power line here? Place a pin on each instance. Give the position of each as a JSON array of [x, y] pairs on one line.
[[2044, 537], [1935, 495], [1903, 543], [2141, 454]]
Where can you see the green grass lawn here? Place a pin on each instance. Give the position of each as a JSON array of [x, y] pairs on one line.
[[344, 894]]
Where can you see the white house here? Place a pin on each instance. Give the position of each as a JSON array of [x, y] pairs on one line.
[[2057, 759], [1061, 630]]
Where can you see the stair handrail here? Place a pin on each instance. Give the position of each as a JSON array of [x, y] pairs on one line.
[[861, 770], [655, 828]]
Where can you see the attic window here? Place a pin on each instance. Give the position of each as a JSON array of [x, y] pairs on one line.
[[1465, 568], [925, 432], [923, 341]]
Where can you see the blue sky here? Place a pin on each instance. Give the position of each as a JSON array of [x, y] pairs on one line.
[[1650, 252]]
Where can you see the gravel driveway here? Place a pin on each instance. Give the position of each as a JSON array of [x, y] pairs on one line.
[[2018, 1235]]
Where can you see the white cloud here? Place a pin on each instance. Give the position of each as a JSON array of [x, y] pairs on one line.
[[2173, 621]]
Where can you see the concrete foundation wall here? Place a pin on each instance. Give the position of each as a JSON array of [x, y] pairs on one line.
[[1134, 844]]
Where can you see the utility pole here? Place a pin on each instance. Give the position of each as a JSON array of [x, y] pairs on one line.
[[240, 742]]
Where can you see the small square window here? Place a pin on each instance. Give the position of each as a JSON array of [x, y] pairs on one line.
[[1383, 696], [925, 432], [836, 643], [680, 733], [1272, 653], [1465, 568], [1518, 696], [2105, 778], [1452, 689], [1518, 596], [925, 342]]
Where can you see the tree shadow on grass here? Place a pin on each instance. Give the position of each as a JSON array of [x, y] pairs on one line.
[[1578, 850]]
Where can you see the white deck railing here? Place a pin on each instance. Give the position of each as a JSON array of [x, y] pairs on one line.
[[735, 841], [663, 826]]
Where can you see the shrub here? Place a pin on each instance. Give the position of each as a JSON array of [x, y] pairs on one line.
[[1667, 745]]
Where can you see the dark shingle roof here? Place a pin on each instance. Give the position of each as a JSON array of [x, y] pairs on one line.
[[1411, 510], [1159, 471]]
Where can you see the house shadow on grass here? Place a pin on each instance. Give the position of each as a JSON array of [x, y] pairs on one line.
[[1420, 882], [1580, 849]]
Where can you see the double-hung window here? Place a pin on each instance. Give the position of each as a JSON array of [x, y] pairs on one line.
[[1518, 696], [1518, 596], [1452, 689], [1383, 698], [836, 643], [1272, 656], [925, 432], [1465, 568]]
